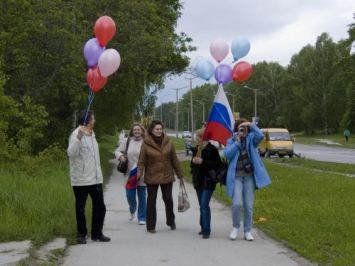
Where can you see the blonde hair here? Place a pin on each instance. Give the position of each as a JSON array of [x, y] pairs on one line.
[[135, 125], [199, 132]]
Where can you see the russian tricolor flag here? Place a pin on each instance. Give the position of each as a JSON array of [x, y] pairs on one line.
[[132, 181], [221, 120]]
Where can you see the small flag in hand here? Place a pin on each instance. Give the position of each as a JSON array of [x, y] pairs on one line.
[[132, 181]]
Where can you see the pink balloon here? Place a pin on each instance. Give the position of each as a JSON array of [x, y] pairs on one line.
[[109, 62], [219, 49]]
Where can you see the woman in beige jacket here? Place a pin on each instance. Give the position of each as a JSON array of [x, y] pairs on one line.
[[134, 141], [158, 161]]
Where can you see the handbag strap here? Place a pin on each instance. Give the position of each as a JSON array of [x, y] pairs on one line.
[[182, 186], [127, 144]]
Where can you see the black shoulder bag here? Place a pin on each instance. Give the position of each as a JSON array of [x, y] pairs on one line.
[[123, 166]]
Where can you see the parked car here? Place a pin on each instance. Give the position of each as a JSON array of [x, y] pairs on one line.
[[277, 141], [186, 134]]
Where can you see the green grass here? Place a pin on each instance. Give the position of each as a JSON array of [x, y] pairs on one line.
[[107, 145], [179, 143], [37, 208], [314, 140], [37, 201], [340, 168], [309, 211]]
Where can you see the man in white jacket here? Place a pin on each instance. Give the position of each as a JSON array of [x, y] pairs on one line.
[[86, 178]]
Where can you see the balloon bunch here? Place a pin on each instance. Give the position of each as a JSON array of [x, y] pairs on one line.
[[102, 62], [224, 73]]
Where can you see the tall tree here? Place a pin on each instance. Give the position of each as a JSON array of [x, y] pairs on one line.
[[348, 67], [42, 48], [316, 84]]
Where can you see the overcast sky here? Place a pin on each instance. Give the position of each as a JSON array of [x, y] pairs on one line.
[[276, 29]]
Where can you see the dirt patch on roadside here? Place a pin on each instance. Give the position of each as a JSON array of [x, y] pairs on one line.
[[329, 142]]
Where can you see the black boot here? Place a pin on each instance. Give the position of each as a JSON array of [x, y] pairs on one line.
[[81, 239], [101, 238]]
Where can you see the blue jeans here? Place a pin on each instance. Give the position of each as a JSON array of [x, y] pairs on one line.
[[142, 201], [204, 197], [244, 188]]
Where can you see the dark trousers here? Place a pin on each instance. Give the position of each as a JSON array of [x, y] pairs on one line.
[[167, 193], [98, 209]]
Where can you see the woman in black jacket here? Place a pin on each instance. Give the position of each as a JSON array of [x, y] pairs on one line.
[[205, 157]]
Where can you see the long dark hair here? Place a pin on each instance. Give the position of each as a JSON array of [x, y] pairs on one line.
[[152, 126]]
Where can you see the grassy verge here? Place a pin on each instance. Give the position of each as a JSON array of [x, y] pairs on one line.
[[310, 212], [179, 143], [315, 140], [36, 199], [107, 146], [316, 165]]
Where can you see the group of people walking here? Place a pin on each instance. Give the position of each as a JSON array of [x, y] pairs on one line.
[[157, 164]]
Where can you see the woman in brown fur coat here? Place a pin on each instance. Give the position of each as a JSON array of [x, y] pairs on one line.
[[158, 161]]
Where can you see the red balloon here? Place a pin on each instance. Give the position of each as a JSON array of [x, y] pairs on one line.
[[95, 80], [242, 71], [104, 29]]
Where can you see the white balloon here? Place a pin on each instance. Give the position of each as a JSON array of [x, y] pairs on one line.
[[219, 49], [109, 62]]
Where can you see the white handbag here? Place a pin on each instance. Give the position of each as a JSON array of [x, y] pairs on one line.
[[183, 199]]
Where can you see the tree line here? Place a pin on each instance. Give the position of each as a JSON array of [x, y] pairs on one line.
[[314, 93], [43, 70]]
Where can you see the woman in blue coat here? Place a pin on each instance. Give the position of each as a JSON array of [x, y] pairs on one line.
[[246, 173]]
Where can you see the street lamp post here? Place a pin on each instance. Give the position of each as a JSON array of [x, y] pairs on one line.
[[188, 119], [161, 106], [255, 101], [203, 109], [233, 95], [169, 119], [177, 110], [191, 104]]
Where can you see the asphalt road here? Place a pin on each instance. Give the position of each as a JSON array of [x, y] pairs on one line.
[[322, 153], [326, 154]]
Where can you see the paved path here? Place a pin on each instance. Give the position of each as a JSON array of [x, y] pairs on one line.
[[132, 245]]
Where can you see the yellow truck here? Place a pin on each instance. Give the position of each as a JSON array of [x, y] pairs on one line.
[[277, 141]]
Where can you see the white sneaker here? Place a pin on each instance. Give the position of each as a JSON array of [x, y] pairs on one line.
[[141, 222], [233, 234], [248, 236], [131, 216]]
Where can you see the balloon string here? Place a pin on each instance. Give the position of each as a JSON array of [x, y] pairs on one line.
[[91, 98]]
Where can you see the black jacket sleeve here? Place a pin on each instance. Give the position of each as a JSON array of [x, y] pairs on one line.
[[213, 161]]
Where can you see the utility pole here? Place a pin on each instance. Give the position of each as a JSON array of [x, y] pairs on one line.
[[203, 109], [255, 100], [161, 107], [177, 110], [193, 76], [233, 110], [188, 119]]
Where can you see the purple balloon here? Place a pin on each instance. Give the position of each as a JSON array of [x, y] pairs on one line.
[[92, 51], [223, 74]]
